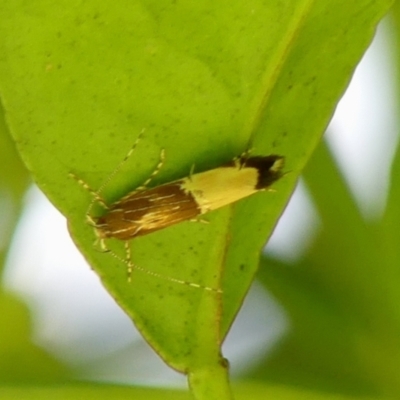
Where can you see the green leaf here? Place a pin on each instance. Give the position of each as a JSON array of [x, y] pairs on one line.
[[207, 80]]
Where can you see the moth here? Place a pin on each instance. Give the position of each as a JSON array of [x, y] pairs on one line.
[[146, 210]]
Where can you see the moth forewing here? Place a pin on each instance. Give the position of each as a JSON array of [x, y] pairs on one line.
[[221, 186], [140, 213]]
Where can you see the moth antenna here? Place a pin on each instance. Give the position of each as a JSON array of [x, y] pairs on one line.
[[131, 267], [97, 194]]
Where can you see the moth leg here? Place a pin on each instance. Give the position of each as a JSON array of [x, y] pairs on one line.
[[128, 261], [240, 161], [191, 173], [95, 193], [201, 220], [100, 245], [144, 185]]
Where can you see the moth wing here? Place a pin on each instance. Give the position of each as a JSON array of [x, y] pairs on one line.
[[140, 213]]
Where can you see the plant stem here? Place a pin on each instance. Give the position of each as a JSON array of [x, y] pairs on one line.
[[211, 382]]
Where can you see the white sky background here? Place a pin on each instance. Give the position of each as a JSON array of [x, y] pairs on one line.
[[76, 319]]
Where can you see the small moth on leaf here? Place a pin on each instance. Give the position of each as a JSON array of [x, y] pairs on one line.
[[146, 210]]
